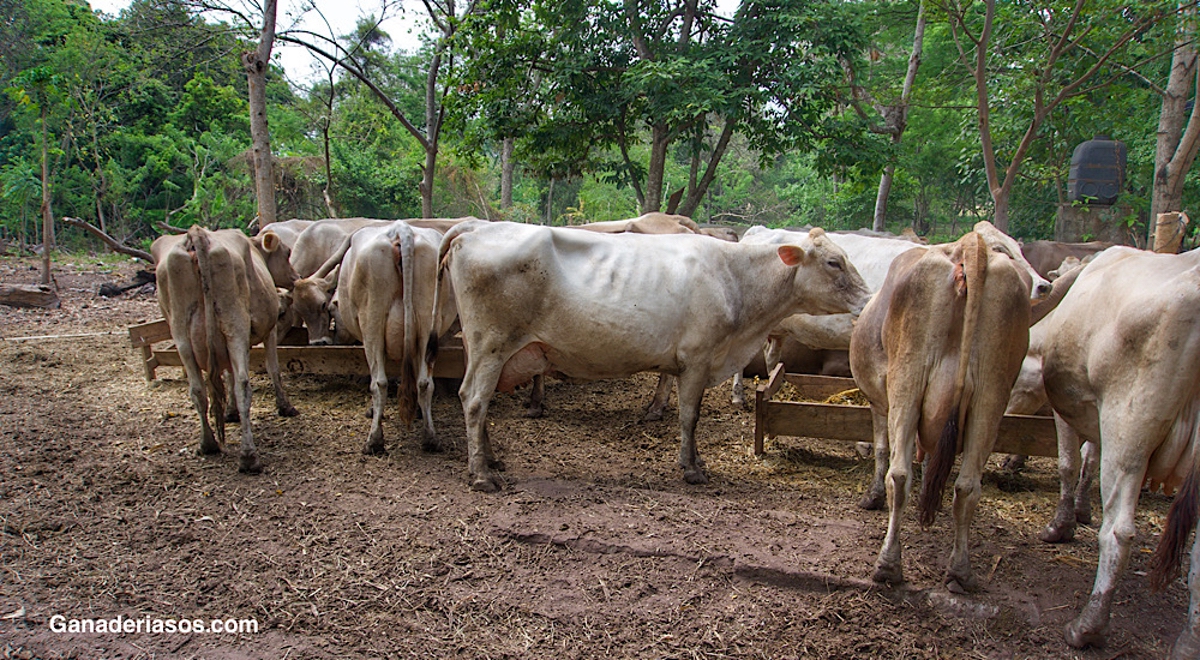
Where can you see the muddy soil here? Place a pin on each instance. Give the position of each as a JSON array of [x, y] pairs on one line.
[[595, 549]]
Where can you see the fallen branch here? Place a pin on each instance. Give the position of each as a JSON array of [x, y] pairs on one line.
[[114, 244], [170, 229]]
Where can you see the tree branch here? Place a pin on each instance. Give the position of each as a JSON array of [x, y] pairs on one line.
[[114, 244]]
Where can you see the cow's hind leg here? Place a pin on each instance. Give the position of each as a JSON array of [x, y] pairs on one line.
[[198, 394], [1187, 645], [374, 348], [691, 392], [537, 398], [1090, 459], [902, 432], [429, 439], [1119, 490], [479, 383], [239, 362]]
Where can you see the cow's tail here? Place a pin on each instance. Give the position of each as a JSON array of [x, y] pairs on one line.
[[1181, 520], [334, 259], [402, 255], [431, 348], [969, 275], [199, 245]]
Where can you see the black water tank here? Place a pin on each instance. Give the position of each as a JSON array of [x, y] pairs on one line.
[[1097, 171]]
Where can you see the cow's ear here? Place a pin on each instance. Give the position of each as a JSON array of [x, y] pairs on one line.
[[792, 255], [270, 241], [331, 279]]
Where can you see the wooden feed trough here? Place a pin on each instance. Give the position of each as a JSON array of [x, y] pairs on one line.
[[1019, 434], [295, 356]]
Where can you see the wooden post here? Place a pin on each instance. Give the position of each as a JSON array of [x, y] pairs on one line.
[[1168, 232]]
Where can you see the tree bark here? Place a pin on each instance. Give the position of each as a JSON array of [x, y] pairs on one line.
[[256, 63], [900, 112], [654, 174], [47, 211], [506, 173], [1176, 146]]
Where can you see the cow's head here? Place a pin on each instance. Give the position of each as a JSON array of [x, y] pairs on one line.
[[313, 301], [1000, 242], [277, 255], [827, 281]]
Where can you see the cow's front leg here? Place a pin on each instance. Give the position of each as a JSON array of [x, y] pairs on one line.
[[429, 439], [1062, 527], [1187, 645], [967, 491], [1119, 497], [691, 392], [662, 396], [282, 405], [537, 398], [876, 496]]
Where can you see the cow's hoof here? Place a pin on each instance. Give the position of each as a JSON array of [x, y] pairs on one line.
[[488, 484], [370, 413], [535, 412], [208, 448], [961, 584], [1013, 463], [1057, 533], [889, 575], [250, 465], [1186, 646], [374, 449], [695, 476], [872, 501], [232, 416], [1083, 514], [653, 416], [430, 443], [1078, 638], [288, 411]]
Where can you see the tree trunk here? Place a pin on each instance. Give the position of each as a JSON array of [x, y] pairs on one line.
[[506, 173], [256, 63], [901, 119], [655, 172], [697, 193], [47, 211], [1176, 147]]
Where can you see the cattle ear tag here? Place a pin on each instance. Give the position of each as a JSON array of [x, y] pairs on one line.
[[960, 279], [791, 254]]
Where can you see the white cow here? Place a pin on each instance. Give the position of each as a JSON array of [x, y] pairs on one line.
[[535, 299], [219, 293], [386, 292], [1121, 356]]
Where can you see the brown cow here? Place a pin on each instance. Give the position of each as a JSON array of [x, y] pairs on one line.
[[217, 290], [1045, 256], [936, 352]]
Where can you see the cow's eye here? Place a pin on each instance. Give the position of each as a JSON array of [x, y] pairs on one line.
[[834, 264]]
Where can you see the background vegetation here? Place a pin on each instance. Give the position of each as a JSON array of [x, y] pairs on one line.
[[144, 117]]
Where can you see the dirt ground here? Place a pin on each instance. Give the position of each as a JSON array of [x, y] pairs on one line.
[[596, 547]]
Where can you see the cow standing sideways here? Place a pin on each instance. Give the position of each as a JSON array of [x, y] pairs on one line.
[[386, 291], [217, 290], [534, 300], [936, 352], [1121, 355]]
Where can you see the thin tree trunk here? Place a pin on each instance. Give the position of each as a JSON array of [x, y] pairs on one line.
[[47, 211], [256, 63], [1176, 146], [549, 200], [506, 173], [901, 114]]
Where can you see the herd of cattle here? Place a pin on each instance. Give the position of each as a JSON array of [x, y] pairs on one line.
[[942, 340]]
